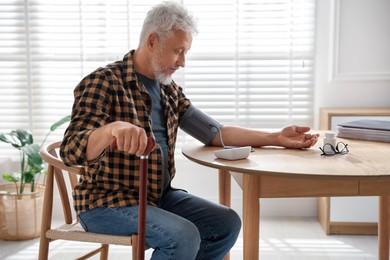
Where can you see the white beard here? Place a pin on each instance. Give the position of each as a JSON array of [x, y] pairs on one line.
[[164, 79], [158, 72]]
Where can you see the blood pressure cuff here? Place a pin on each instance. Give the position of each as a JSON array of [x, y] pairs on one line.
[[199, 125]]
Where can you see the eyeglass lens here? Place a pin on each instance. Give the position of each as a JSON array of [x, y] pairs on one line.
[[328, 149]]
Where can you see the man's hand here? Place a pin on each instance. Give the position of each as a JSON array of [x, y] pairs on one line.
[[128, 138], [297, 137]]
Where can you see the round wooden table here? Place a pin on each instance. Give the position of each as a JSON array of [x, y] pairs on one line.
[[274, 172]]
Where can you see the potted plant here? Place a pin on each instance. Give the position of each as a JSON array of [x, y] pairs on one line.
[[21, 200]]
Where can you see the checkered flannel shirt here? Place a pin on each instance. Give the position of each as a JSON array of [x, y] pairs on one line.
[[110, 94]]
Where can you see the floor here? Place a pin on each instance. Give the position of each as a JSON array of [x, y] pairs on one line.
[[281, 238]]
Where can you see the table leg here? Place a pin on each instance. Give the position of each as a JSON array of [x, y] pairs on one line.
[[251, 216], [225, 192], [224, 188], [383, 228]]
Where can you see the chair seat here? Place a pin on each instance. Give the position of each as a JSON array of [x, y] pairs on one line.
[[75, 232]]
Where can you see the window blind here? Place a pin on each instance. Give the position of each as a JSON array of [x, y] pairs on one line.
[[251, 63]]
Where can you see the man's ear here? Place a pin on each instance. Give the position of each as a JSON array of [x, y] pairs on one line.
[[152, 40]]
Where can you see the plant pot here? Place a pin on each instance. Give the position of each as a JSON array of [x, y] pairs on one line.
[[20, 215]]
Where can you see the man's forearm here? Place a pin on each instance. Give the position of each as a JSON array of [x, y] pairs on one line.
[[99, 139], [238, 136]]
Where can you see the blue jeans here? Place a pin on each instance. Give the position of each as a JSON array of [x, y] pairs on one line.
[[182, 226]]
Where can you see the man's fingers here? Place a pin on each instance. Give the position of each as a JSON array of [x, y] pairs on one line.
[[129, 138], [119, 142], [150, 146], [141, 144], [302, 129]]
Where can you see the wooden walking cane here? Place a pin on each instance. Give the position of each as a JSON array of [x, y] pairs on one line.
[[143, 186]]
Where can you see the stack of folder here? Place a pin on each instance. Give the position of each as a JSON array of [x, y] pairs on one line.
[[366, 129]]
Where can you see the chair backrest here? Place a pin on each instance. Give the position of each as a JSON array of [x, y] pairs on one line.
[[57, 167]]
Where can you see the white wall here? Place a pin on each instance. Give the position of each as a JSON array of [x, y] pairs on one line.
[[353, 54]]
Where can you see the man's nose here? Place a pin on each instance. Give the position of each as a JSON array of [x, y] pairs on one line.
[[181, 61]]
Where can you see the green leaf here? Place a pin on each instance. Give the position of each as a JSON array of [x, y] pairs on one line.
[[28, 177], [60, 122], [32, 151], [17, 138], [34, 161], [13, 177], [11, 139], [24, 136]]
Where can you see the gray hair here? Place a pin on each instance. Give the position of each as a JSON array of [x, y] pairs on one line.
[[164, 19]]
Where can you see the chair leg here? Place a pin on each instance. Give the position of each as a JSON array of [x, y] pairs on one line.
[[134, 247], [43, 248], [46, 215], [104, 252]]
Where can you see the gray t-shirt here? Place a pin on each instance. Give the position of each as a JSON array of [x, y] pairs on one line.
[[159, 125]]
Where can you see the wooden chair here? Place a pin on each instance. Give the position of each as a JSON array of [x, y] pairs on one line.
[[71, 229]]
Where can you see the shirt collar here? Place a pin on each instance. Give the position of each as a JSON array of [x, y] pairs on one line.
[[128, 67]]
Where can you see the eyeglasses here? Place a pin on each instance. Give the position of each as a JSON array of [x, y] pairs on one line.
[[329, 150]]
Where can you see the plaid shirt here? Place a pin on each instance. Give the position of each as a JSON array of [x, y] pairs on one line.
[[110, 94]]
